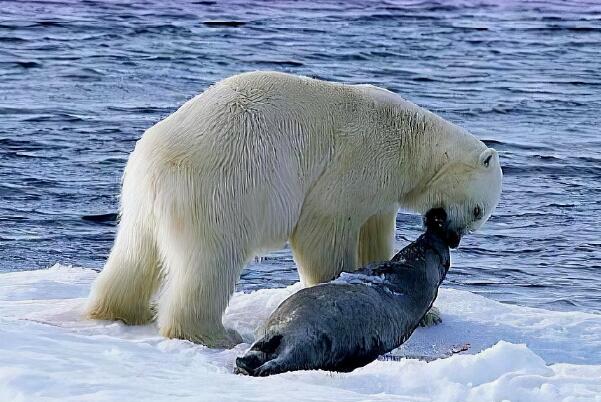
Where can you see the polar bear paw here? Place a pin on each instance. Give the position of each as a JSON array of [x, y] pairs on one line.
[[432, 317], [222, 338]]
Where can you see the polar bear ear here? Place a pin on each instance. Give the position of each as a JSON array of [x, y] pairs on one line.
[[487, 157]]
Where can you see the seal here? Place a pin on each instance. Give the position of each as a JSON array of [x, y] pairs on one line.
[[349, 322]]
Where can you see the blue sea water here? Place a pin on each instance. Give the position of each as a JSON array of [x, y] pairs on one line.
[[81, 80]]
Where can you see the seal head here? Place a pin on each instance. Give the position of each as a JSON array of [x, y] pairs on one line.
[[436, 222]]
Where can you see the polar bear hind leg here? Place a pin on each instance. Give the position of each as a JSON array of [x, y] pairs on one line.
[[200, 273], [130, 277]]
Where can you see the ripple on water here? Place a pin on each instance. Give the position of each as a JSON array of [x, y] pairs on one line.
[[80, 84]]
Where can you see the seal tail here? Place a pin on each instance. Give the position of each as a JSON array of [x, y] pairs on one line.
[[248, 364], [261, 353]]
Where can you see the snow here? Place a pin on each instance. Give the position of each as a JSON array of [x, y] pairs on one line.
[[48, 352], [360, 278]]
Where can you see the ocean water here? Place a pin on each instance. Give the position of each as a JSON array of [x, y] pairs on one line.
[[81, 80]]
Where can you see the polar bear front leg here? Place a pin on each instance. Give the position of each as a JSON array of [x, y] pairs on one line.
[[323, 247], [376, 238]]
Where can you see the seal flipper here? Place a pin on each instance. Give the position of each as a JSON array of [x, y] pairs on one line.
[[271, 367], [259, 354], [248, 363]]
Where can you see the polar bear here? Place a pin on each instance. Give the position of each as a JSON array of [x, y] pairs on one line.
[[264, 158]]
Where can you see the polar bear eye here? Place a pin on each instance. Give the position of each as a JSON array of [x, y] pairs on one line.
[[477, 212]]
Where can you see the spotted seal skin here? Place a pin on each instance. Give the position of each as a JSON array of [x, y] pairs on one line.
[[349, 322]]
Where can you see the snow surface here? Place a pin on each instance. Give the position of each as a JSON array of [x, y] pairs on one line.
[[49, 353]]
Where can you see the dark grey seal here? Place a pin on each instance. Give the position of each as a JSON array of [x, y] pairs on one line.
[[349, 322]]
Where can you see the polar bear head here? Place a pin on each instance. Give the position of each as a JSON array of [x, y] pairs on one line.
[[468, 191]]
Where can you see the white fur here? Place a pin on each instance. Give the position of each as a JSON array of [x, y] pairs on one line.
[[263, 158]]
